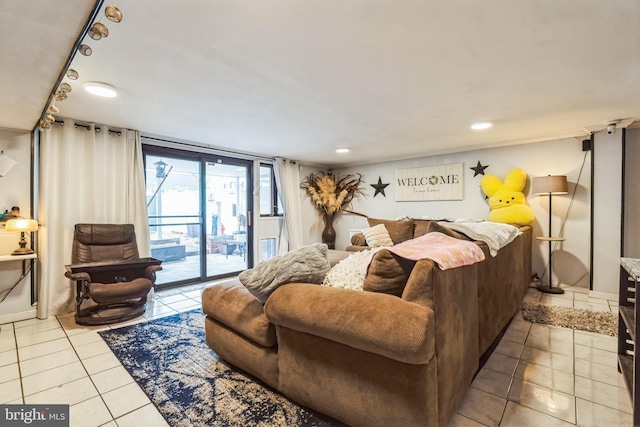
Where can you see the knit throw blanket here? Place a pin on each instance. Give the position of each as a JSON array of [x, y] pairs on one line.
[[448, 252], [309, 264]]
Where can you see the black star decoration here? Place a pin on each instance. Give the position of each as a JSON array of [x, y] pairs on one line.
[[478, 170], [379, 187]]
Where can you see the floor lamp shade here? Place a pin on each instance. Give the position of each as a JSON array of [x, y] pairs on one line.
[[549, 185]]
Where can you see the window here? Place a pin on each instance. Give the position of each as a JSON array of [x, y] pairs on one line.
[[267, 248], [270, 204]]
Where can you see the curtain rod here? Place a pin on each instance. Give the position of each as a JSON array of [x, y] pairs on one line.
[[87, 126], [204, 147]]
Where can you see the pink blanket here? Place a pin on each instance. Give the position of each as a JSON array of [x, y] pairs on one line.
[[447, 252]]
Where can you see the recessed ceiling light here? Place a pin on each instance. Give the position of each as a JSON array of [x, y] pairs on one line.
[[481, 125], [343, 150], [100, 89]]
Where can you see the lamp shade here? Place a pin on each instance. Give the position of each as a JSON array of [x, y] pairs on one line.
[[18, 225], [550, 184]]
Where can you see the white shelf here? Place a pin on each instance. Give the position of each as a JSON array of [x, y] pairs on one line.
[[4, 258]]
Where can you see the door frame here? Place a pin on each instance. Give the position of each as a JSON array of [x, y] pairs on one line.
[[204, 158]]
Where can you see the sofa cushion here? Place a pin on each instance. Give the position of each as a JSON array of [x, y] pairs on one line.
[[231, 304], [335, 256], [388, 273], [358, 239], [309, 264], [377, 236], [399, 230]]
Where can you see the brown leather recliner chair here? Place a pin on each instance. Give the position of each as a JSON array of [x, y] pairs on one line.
[[109, 272]]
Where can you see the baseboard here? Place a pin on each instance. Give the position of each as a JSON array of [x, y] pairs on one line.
[[16, 317]]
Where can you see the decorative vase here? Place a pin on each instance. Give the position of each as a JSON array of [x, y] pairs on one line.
[[329, 233]]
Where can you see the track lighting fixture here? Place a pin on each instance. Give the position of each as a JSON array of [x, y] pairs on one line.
[[97, 31], [113, 13], [72, 74]]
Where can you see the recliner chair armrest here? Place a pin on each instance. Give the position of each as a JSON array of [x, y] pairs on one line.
[[150, 272], [377, 323], [78, 276]]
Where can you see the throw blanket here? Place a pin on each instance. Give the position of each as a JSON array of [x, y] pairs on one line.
[[447, 252], [494, 234]]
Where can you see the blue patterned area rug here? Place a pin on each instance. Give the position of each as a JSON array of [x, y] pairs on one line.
[[191, 386]]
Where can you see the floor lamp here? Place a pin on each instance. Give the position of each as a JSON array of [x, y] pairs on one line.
[[549, 185]]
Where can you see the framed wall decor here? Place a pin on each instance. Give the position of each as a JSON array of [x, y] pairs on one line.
[[443, 182]]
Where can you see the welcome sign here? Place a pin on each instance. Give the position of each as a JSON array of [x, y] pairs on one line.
[[444, 182]]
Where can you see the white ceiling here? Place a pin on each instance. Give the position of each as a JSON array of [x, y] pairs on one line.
[[390, 79]]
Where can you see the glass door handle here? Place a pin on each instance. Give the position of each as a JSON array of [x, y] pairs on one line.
[[249, 218]]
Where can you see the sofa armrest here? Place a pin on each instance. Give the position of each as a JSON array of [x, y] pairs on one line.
[[377, 323], [354, 248]]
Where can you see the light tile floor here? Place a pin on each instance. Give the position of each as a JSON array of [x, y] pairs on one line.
[[538, 375], [543, 375]]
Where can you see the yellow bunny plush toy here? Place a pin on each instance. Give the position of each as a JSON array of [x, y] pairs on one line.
[[506, 200]]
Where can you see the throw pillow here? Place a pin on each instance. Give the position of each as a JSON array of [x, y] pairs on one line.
[[358, 239], [377, 236], [308, 264], [399, 231], [388, 273], [348, 273]]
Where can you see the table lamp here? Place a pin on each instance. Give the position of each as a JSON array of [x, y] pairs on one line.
[[551, 184], [22, 226]]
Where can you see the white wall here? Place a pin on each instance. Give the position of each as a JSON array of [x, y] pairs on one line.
[[15, 190], [632, 195], [561, 157], [606, 213]]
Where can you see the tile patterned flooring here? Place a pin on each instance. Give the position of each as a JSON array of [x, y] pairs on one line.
[[538, 375]]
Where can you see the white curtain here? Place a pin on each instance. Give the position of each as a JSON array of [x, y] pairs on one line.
[[85, 177], [287, 176]]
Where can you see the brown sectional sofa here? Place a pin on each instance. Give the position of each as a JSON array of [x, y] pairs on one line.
[[374, 358], [502, 280]]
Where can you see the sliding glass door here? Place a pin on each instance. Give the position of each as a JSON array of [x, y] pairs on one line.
[[227, 216], [199, 208]]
